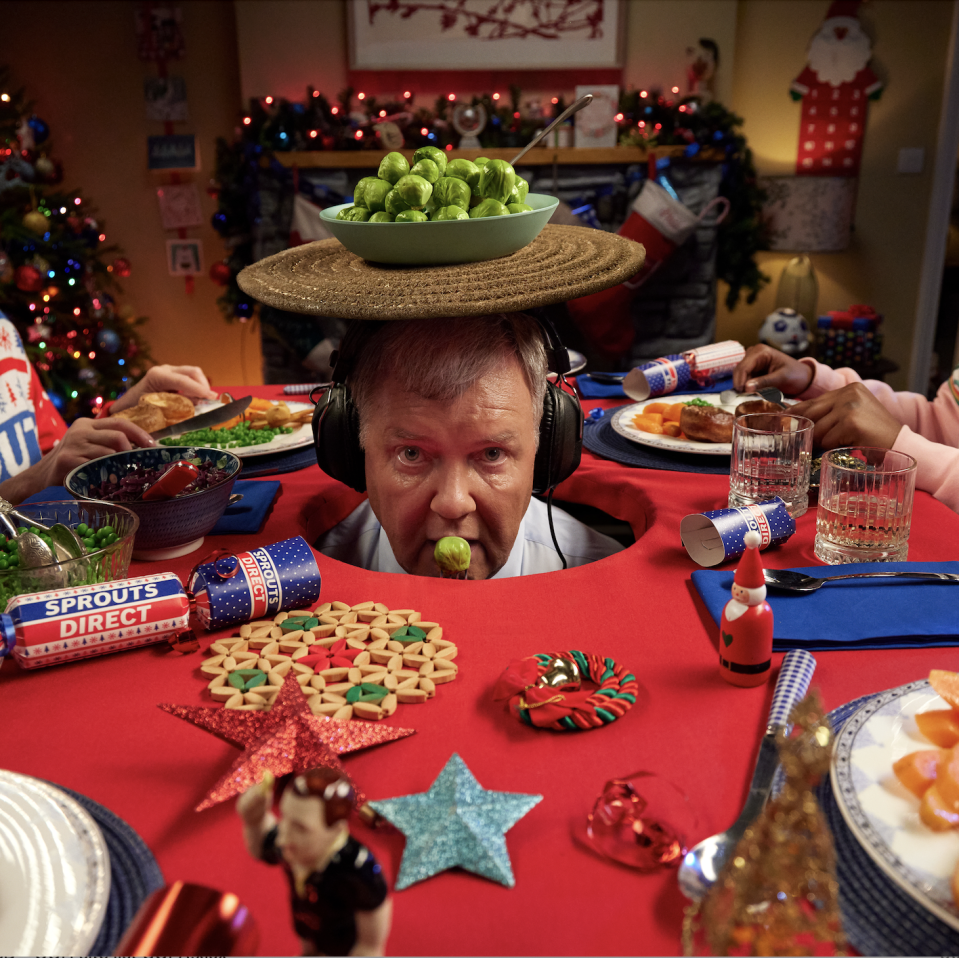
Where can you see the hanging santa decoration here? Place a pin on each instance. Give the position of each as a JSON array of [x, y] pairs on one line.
[[835, 88]]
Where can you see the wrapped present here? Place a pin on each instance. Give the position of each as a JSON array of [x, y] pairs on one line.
[[717, 536], [236, 588], [46, 628], [695, 367]]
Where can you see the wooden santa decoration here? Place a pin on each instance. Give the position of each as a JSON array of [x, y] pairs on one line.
[[746, 628], [834, 89]]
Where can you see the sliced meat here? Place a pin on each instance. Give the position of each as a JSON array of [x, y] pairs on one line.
[[707, 424]]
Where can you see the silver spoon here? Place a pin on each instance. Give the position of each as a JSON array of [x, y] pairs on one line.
[[704, 862], [568, 112], [38, 557], [729, 397], [797, 582]]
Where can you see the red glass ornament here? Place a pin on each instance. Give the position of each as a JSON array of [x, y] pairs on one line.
[[221, 274], [121, 266], [28, 279]]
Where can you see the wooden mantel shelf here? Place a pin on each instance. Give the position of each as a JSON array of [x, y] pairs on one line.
[[538, 156]]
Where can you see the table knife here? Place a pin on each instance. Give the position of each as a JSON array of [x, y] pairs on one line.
[[205, 420]]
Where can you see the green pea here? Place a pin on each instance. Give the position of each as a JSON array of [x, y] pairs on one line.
[[13, 560], [4, 564], [105, 530], [22, 530], [11, 545], [82, 529]]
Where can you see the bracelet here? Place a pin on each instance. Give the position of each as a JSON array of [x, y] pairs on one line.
[[578, 710]]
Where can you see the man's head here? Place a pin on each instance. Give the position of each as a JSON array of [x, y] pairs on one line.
[[314, 810], [449, 424]]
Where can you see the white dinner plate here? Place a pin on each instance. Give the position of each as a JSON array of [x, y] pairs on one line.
[[882, 814], [622, 423], [285, 442], [54, 870]]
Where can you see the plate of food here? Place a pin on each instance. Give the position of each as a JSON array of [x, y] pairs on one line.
[[54, 870], [695, 423], [264, 429], [889, 772]]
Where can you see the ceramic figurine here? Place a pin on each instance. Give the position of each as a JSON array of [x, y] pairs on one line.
[[338, 894], [746, 628]]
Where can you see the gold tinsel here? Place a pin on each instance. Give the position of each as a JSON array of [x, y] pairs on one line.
[[777, 894]]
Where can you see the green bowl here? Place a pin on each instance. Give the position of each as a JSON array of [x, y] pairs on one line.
[[445, 241]]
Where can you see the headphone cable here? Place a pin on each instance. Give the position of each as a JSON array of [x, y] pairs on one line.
[[552, 532]]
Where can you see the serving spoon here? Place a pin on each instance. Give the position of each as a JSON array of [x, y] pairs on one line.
[[797, 582], [584, 100], [704, 862]]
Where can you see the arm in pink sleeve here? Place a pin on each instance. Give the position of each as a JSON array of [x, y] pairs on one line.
[[930, 432]]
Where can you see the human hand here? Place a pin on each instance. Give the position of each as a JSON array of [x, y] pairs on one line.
[[88, 439], [187, 380], [764, 366], [850, 416]]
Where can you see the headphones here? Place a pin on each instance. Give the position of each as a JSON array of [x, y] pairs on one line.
[[336, 422]]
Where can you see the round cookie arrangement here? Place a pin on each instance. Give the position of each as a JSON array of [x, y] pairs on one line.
[[351, 661]]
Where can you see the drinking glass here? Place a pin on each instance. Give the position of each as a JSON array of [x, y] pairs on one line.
[[772, 455], [865, 505]]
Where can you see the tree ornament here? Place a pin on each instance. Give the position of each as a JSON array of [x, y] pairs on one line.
[[28, 279], [220, 273], [777, 894], [746, 628], [75, 223], [88, 376], [36, 222], [121, 266], [108, 340], [44, 165], [39, 129]]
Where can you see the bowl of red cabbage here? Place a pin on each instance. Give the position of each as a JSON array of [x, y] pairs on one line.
[[168, 527]]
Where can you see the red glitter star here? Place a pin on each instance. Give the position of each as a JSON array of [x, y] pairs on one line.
[[287, 738]]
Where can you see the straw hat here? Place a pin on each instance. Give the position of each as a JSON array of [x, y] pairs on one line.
[[325, 279]]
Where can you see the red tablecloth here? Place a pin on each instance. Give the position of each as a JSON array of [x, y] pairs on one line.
[[94, 726]]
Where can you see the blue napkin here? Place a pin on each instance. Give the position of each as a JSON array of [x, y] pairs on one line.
[[245, 516], [854, 613], [590, 389]]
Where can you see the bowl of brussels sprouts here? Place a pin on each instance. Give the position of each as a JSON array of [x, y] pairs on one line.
[[436, 210]]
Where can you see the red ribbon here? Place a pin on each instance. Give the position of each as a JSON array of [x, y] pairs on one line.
[[518, 684]]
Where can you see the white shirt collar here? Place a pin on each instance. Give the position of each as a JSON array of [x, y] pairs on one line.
[[386, 561]]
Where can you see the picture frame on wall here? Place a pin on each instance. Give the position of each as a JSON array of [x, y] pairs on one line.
[[486, 35], [184, 257]]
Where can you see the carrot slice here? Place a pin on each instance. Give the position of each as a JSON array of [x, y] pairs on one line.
[[917, 770], [656, 408], [947, 781], [940, 726], [653, 417], [935, 812], [672, 429], [946, 684], [674, 411]]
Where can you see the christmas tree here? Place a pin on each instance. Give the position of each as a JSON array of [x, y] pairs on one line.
[[58, 277]]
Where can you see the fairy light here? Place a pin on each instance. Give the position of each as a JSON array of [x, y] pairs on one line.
[[92, 354], [382, 112], [361, 96], [448, 147], [63, 209], [335, 110], [359, 134], [76, 311], [247, 120], [658, 126], [495, 96], [99, 400], [71, 282], [268, 100], [96, 305], [675, 89], [46, 309], [644, 93], [516, 115], [618, 118], [32, 307], [102, 237], [451, 97], [46, 298], [313, 134], [5, 97], [424, 131], [316, 93], [73, 395], [682, 108], [42, 345], [555, 100], [76, 355], [407, 94], [642, 124]]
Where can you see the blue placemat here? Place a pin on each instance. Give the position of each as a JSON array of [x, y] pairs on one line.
[[134, 873], [879, 614], [278, 463], [594, 390], [601, 438], [879, 918]]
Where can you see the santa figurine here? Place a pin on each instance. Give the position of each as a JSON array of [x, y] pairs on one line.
[[834, 89], [746, 628]]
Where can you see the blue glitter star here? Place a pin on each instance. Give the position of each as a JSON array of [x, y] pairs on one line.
[[457, 822]]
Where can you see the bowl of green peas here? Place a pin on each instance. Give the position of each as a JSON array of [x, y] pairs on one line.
[[106, 531]]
